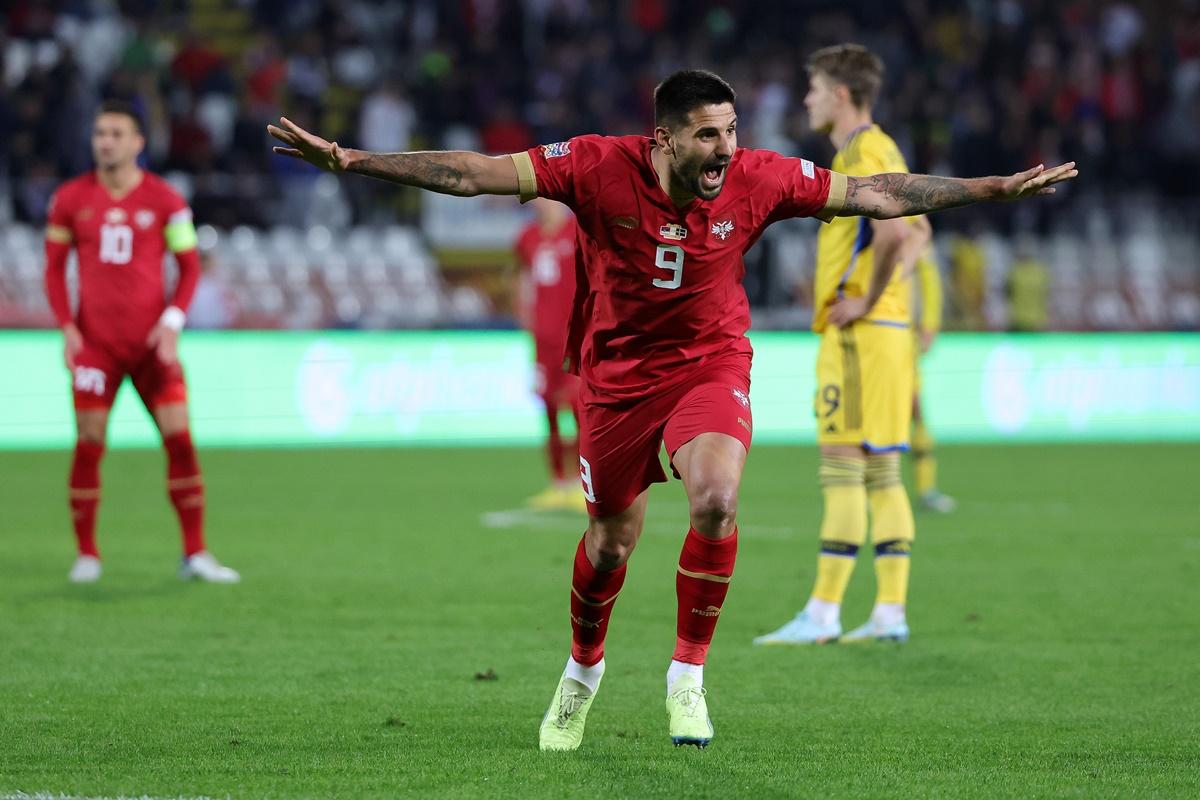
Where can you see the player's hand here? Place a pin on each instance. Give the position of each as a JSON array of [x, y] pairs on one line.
[[925, 337], [308, 147], [165, 343], [847, 310], [1038, 180], [72, 344]]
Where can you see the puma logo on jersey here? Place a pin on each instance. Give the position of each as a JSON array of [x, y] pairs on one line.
[[673, 231], [89, 379], [722, 229], [711, 611], [585, 623]]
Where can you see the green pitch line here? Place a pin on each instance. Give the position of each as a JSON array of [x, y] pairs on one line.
[[387, 642]]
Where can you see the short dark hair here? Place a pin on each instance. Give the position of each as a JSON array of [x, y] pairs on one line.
[[853, 66], [685, 90], [123, 107]]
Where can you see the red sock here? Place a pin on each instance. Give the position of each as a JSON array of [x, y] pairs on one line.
[[84, 495], [186, 489], [554, 444], [705, 567], [592, 599]]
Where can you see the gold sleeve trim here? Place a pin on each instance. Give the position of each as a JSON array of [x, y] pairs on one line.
[[526, 178], [837, 196], [59, 234]]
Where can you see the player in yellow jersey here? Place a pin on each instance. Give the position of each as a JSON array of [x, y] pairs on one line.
[[863, 406], [928, 322]]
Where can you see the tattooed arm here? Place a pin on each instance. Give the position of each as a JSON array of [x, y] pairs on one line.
[[898, 194], [459, 173]]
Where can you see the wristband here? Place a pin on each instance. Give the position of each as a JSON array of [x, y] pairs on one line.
[[173, 318]]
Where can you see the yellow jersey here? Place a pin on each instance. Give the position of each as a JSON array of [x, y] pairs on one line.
[[845, 258]]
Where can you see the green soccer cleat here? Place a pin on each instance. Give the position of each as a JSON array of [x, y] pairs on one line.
[[562, 727], [873, 631], [690, 723], [802, 629]]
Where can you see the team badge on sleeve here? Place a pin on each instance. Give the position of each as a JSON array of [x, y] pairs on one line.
[[807, 168], [556, 150]]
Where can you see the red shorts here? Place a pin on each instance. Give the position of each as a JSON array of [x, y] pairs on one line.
[[551, 382], [619, 444], [98, 375]]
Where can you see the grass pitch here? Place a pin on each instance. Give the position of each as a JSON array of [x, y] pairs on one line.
[[393, 639]]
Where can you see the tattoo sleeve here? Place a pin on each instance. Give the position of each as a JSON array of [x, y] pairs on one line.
[[444, 172], [898, 194]]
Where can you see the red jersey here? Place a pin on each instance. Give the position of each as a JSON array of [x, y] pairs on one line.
[[550, 261], [120, 244], [660, 286]]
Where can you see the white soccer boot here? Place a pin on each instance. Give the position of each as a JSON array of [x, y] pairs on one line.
[[86, 569], [205, 567]]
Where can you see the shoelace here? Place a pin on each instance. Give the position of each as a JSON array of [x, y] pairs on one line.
[[568, 704], [690, 699]]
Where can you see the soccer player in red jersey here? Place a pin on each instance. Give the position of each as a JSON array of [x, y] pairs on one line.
[[546, 253], [657, 334], [121, 220]]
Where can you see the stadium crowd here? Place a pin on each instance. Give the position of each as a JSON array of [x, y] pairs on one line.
[[980, 87]]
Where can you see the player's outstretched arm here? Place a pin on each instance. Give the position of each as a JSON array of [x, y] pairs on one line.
[[460, 173], [897, 194]]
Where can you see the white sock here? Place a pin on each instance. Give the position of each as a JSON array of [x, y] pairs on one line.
[[680, 668], [823, 612], [888, 613], [588, 676]]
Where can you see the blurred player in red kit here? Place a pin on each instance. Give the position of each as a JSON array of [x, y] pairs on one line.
[[658, 336], [121, 220], [546, 254]]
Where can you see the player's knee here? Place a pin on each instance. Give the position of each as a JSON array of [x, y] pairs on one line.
[[91, 436], [92, 430], [614, 543], [713, 508]]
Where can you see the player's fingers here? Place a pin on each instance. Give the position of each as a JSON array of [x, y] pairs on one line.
[[287, 151]]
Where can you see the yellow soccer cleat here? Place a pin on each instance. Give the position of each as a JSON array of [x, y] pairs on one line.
[[548, 499], [573, 499], [688, 710], [562, 727]]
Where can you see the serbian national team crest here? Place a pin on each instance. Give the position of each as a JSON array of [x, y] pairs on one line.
[[114, 216], [556, 150], [144, 218], [722, 229], [741, 397], [673, 231]]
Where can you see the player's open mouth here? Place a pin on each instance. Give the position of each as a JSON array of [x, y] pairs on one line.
[[712, 177]]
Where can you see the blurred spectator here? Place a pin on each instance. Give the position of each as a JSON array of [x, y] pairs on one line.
[[1028, 290], [974, 88], [214, 305]]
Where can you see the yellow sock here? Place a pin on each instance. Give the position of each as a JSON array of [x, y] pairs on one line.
[[892, 564], [924, 461], [892, 527], [844, 525]]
